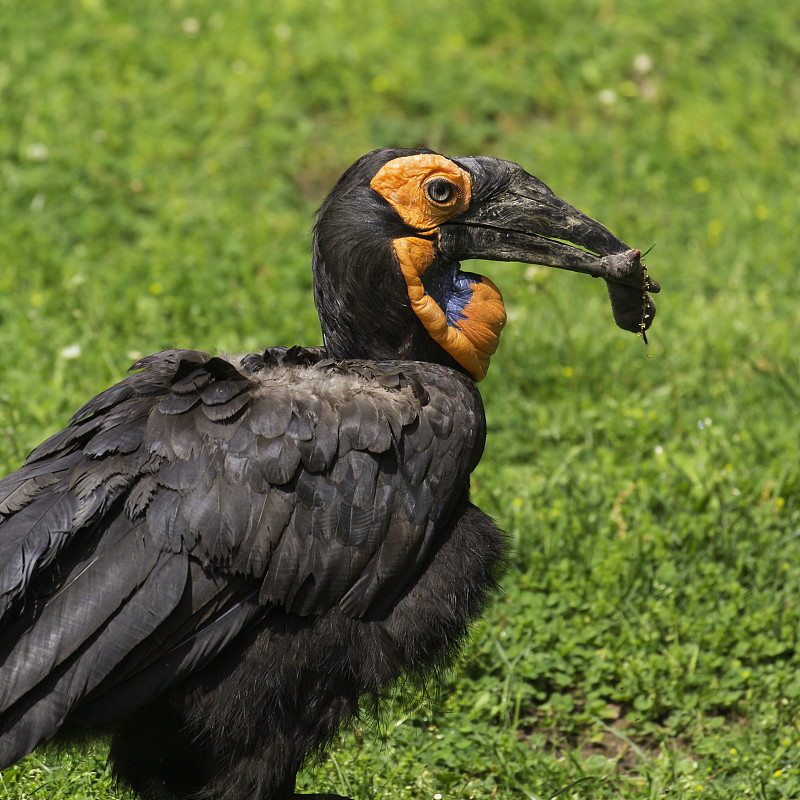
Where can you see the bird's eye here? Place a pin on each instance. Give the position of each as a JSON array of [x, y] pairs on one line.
[[441, 191]]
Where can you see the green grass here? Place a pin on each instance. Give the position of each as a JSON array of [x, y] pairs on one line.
[[160, 163]]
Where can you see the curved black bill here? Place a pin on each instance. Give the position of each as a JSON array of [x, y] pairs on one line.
[[514, 216]]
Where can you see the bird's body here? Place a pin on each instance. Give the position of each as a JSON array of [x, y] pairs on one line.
[[221, 556]]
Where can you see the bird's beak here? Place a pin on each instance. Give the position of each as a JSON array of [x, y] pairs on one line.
[[514, 216]]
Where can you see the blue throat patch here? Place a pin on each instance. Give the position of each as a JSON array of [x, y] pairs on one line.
[[450, 288]]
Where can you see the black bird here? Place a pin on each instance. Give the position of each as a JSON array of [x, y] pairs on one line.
[[220, 557]]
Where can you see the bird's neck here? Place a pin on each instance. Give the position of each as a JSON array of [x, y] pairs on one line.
[[359, 323]]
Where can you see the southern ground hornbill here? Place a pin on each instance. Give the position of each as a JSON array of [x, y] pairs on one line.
[[220, 557]]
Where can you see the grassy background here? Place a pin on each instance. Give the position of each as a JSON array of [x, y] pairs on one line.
[[160, 163]]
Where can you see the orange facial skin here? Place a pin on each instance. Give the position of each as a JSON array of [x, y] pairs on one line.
[[484, 320], [405, 183], [473, 339], [402, 181]]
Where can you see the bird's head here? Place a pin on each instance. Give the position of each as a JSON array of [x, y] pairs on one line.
[[390, 237]]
